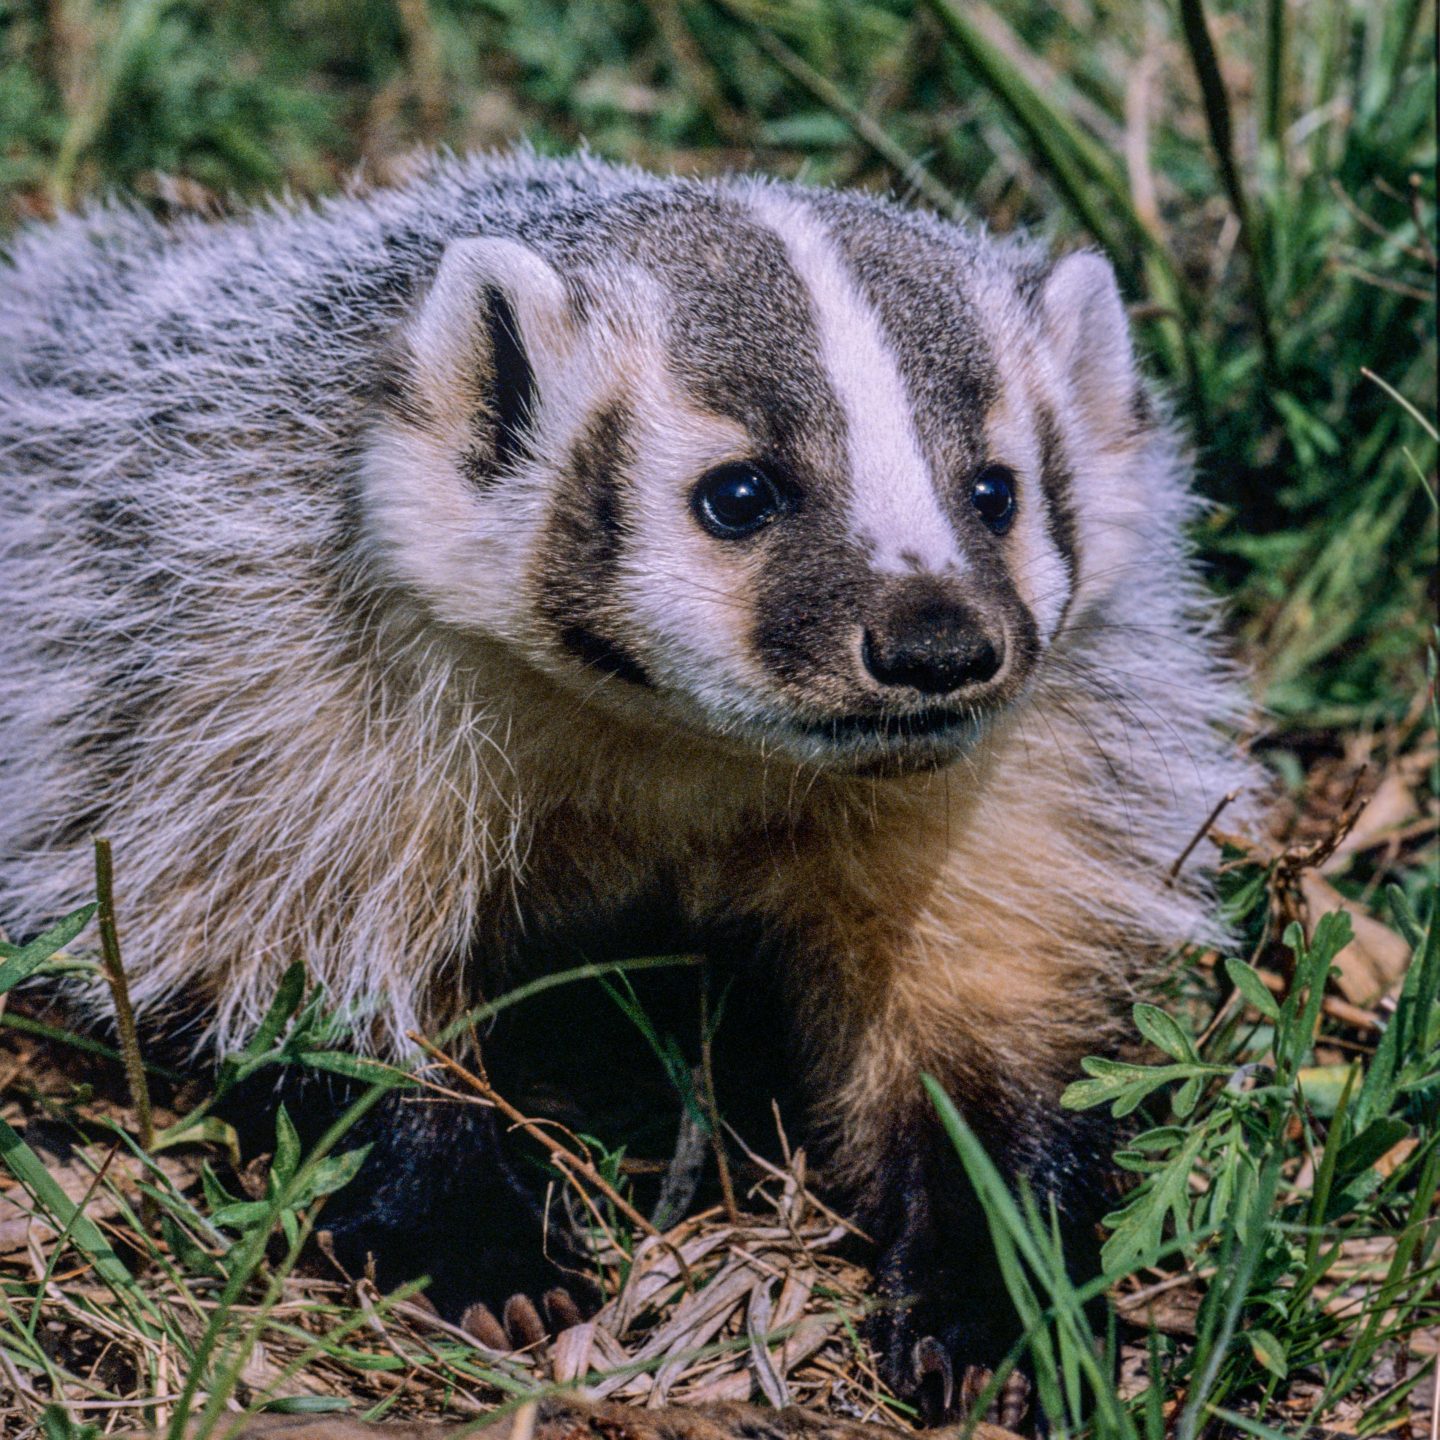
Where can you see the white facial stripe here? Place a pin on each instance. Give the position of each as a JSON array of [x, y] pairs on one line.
[[894, 509], [689, 599]]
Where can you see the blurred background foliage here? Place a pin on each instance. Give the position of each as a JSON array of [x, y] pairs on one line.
[[1262, 173]]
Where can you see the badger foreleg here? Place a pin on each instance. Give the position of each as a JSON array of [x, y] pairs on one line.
[[890, 1000]]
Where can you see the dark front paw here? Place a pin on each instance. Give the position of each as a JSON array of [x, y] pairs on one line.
[[943, 1322], [441, 1195], [938, 1340]]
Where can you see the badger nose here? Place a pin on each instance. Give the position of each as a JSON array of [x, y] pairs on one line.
[[935, 647]]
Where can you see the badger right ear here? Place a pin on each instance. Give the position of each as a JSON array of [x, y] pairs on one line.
[[489, 337], [1086, 319]]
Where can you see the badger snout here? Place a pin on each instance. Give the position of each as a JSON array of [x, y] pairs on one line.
[[932, 641]]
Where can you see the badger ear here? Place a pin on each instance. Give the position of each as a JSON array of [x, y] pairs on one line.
[[490, 335], [1088, 327]]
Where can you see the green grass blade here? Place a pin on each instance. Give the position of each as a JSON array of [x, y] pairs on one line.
[[866, 128], [1237, 1270], [1052, 136], [1222, 139], [491, 1008], [1065, 1358]]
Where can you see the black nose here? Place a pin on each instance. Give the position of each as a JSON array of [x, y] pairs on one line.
[[935, 648]]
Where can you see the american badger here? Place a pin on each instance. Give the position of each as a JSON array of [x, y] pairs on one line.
[[421, 582]]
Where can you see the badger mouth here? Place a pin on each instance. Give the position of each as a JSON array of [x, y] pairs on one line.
[[890, 727]]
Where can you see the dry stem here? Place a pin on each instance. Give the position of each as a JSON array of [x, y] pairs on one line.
[[573, 1166], [124, 1012]]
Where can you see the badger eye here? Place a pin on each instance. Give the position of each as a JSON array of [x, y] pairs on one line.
[[993, 496], [735, 500]]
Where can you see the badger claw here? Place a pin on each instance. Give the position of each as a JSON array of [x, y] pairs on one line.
[[932, 1372], [520, 1326]]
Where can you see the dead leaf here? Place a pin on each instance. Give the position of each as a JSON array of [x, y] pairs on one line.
[[570, 1357], [1396, 1156], [1375, 961], [73, 1168]]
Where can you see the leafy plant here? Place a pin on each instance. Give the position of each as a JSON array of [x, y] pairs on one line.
[[286, 1197]]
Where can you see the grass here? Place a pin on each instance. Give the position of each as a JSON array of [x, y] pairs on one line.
[[1264, 177]]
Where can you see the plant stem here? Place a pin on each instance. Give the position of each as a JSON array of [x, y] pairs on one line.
[[124, 1012], [712, 1108], [570, 1163]]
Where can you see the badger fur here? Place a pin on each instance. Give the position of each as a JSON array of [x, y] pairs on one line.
[[404, 580]]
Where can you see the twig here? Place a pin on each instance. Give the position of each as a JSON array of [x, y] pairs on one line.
[[1382, 282], [573, 1166], [1332, 1005], [712, 1108], [1198, 836], [772, 1169], [124, 1013]]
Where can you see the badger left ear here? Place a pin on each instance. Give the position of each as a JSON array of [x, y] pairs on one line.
[[488, 340], [1086, 320]]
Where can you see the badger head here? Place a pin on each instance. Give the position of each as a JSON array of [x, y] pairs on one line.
[[795, 470]]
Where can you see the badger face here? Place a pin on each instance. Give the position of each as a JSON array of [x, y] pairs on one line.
[[789, 468]]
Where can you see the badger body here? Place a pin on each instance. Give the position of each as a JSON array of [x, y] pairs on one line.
[[404, 580]]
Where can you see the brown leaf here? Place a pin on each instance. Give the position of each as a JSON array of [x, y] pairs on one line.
[[73, 1168], [1375, 960], [1396, 1156], [570, 1355], [1171, 1312]]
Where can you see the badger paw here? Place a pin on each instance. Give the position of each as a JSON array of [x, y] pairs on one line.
[[945, 1370], [943, 1397]]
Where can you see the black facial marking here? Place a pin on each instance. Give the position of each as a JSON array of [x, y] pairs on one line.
[[601, 654], [579, 555], [742, 339], [738, 321], [1058, 483], [513, 382]]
